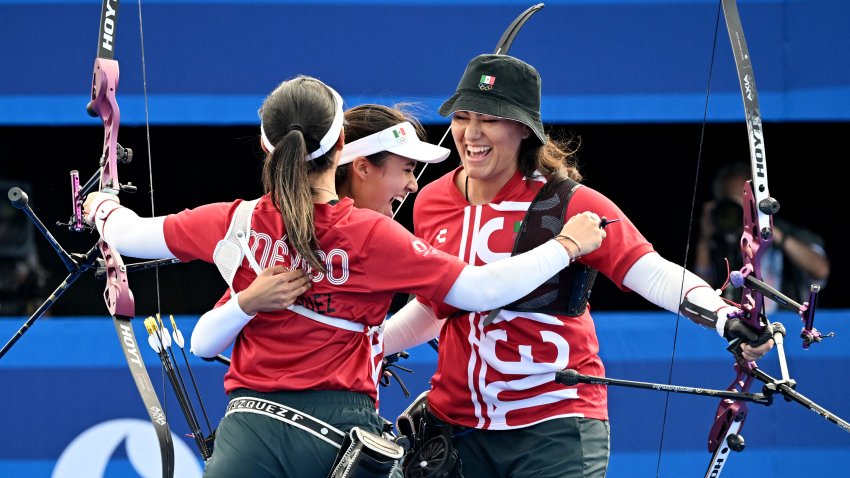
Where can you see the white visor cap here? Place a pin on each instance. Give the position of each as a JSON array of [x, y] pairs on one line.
[[400, 139]]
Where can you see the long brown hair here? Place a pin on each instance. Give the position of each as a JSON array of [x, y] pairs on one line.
[[556, 159], [295, 116]]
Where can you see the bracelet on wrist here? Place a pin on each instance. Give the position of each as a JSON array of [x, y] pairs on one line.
[[573, 255]]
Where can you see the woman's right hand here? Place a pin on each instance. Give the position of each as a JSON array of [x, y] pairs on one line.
[[276, 288], [582, 234]]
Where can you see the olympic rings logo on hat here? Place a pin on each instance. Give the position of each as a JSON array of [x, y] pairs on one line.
[[400, 135], [486, 82]]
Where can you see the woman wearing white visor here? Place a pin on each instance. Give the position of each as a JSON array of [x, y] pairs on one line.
[[375, 170], [382, 147]]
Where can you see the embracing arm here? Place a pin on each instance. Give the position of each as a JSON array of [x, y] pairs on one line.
[[493, 285], [413, 324], [502, 282], [276, 288], [218, 328], [486, 287], [499, 283]]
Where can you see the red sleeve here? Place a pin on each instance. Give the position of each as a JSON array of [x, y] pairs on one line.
[[223, 300], [411, 264], [623, 245], [441, 309], [194, 233]]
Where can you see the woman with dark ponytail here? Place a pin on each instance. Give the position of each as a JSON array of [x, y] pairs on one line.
[[303, 373], [297, 152]]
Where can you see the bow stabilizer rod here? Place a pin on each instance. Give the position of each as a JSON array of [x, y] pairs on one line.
[[571, 377]]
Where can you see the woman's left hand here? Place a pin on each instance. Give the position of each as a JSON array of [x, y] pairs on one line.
[[93, 200], [752, 353], [276, 288]]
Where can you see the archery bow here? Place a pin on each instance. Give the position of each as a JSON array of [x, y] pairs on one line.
[[118, 296], [756, 237]]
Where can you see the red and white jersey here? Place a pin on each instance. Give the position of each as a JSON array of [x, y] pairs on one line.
[[503, 376], [368, 258]]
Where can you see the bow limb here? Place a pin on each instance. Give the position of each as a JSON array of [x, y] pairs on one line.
[[759, 207], [117, 295], [510, 33], [758, 210]]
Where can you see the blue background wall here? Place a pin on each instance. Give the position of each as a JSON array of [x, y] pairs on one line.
[[212, 62], [66, 389], [627, 77]]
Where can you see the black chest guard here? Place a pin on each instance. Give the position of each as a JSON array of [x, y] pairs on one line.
[[565, 293]]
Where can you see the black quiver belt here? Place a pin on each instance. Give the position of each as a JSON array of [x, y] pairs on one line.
[[567, 292]]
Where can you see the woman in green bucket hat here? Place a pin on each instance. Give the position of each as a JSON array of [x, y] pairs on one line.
[[494, 391]]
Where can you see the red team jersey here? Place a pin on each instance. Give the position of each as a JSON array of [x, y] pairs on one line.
[[368, 258], [503, 376]]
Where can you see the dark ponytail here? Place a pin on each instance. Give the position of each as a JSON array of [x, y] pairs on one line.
[[296, 113]]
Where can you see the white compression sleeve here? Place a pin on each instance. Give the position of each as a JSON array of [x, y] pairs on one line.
[[131, 235], [413, 324], [661, 282], [218, 328], [502, 282]]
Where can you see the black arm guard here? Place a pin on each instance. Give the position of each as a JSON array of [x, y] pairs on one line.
[[698, 315]]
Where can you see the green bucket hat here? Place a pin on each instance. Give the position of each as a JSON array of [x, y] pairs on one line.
[[499, 85]]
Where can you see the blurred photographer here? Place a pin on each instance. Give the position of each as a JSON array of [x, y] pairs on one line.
[[22, 278], [795, 261]]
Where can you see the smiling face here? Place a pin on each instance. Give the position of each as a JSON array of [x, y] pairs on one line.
[[383, 185], [488, 145]]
